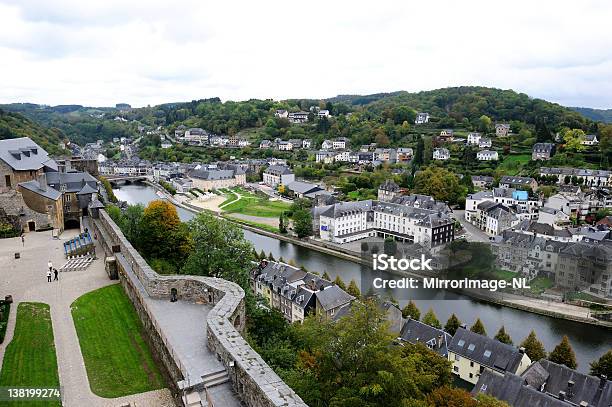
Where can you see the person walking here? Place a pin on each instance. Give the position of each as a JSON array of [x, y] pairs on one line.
[[55, 275], [49, 276], [22, 240], [50, 266]]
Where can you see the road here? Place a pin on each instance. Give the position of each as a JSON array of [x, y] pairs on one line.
[[473, 234]]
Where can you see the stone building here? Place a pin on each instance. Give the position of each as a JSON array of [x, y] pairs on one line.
[[388, 190]]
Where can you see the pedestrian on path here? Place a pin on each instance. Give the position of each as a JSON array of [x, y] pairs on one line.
[[50, 266], [49, 276], [55, 273], [22, 240]]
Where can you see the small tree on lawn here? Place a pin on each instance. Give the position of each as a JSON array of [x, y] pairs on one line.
[[411, 310], [563, 354], [452, 324], [326, 276], [338, 281], [431, 319], [478, 327], [503, 336], [533, 347]]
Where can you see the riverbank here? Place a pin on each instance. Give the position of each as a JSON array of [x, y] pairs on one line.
[[557, 310]]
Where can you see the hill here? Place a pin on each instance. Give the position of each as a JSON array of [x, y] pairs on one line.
[[599, 115], [13, 125]]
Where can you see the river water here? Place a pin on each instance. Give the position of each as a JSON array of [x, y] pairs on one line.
[[589, 342]]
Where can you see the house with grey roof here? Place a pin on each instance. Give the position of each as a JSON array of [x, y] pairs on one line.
[[471, 354], [388, 190], [209, 179], [508, 181], [415, 331], [276, 175], [482, 181], [21, 159], [302, 189], [542, 151], [331, 299], [546, 384]]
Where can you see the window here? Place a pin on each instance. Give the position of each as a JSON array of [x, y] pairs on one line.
[[471, 364], [461, 343], [471, 346], [457, 358], [483, 387], [456, 369], [471, 375], [487, 353]]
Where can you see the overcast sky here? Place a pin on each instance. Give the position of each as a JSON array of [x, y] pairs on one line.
[[99, 53]]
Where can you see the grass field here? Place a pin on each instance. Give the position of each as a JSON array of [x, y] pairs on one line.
[[254, 224], [540, 284], [117, 358], [30, 360], [513, 164], [255, 205]]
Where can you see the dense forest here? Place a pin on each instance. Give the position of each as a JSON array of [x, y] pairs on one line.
[[14, 125], [599, 115]]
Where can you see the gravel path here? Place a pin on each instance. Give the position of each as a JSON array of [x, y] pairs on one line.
[[25, 279]]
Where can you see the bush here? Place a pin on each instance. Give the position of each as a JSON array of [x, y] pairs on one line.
[[5, 308], [108, 188]]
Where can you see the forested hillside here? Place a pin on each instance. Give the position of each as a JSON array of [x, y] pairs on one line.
[[14, 125], [600, 115]]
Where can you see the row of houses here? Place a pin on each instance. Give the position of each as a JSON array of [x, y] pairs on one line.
[[286, 145], [375, 157], [413, 218], [201, 137]]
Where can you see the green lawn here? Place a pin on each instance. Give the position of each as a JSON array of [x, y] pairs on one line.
[[513, 164], [504, 274], [540, 284], [255, 205], [30, 360], [117, 358]]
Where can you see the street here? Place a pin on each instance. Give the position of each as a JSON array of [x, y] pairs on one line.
[[473, 234]]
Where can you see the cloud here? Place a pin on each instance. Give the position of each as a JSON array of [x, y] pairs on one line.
[[100, 52]]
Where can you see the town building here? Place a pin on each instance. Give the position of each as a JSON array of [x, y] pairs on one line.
[[301, 189], [542, 151], [474, 138], [471, 354], [404, 154], [211, 179], [323, 113], [276, 175], [446, 135], [415, 331], [487, 155], [524, 183], [502, 129], [388, 190], [327, 157], [590, 178], [340, 143], [590, 140], [281, 114], [441, 154], [546, 383], [421, 118], [298, 117], [307, 143], [485, 143], [482, 181]]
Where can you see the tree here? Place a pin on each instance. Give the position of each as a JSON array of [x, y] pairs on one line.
[[326, 276], [503, 336], [438, 182], [573, 139], [533, 347], [452, 324], [603, 366], [302, 223], [353, 289], [431, 319], [220, 250], [338, 281], [564, 354], [446, 396], [162, 235], [478, 327], [485, 400], [282, 227], [411, 310], [484, 123]]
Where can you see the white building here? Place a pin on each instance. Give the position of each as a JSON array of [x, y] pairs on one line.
[[276, 175], [487, 155], [590, 140], [327, 145], [284, 146], [485, 143], [441, 154], [474, 138], [340, 143], [281, 113], [298, 117], [323, 113], [326, 157], [421, 118], [307, 143]]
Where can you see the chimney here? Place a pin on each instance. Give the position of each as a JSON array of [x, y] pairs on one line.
[[440, 337], [464, 326], [570, 388], [602, 381], [42, 182], [522, 350], [562, 395]]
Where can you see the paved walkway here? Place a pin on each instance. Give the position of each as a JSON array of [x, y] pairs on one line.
[[25, 279], [473, 234]]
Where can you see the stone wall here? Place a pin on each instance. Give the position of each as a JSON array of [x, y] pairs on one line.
[[14, 205], [253, 380]]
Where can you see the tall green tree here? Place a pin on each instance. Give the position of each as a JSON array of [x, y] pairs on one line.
[[302, 223], [603, 366], [411, 310], [478, 327], [452, 324], [503, 336], [340, 283], [533, 347], [353, 290], [564, 354], [438, 182], [431, 319], [220, 250]]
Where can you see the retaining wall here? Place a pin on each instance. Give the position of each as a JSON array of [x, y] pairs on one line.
[[253, 380]]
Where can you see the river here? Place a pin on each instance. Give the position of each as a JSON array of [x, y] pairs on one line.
[[589, 342]]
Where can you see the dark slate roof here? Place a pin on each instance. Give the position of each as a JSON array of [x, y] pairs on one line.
[[302, 297], [212, 175], [22, 154], [278, 170], [389, 185], [48, 192], [506, 179], [301, 187], [473, 346], [74, 181], [87, 189], [333, 297], [415, 331], [543, 147], [511, 389]]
